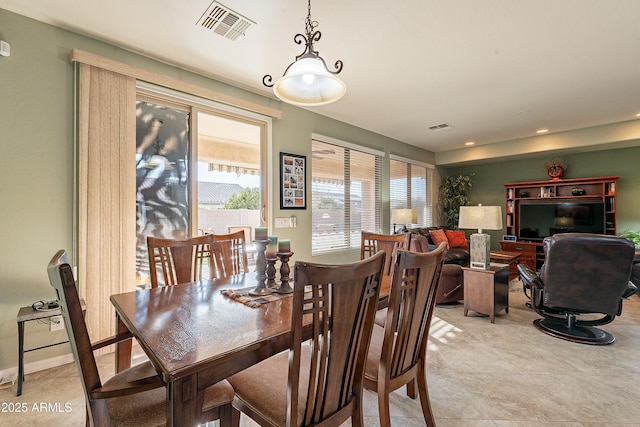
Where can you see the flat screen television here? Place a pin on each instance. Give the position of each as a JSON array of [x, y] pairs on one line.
[[540, 219]]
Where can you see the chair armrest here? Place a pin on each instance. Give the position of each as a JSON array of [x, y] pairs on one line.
[[527, 274], [111, 340], [125, 389]]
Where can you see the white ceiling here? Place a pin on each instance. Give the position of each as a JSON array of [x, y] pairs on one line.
[[495, 70]]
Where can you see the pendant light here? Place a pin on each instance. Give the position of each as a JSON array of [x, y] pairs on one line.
[[307, 81]]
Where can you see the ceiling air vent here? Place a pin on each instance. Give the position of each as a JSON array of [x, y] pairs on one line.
[[224, 21], [441, 126]]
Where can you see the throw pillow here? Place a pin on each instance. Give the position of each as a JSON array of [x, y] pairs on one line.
[[438, 236], [457, 239]]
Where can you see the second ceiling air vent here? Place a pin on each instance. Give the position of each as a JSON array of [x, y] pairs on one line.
[[224, 21], [441, 126]]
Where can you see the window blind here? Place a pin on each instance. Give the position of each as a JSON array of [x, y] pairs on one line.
[[346, 195], [410, 188]]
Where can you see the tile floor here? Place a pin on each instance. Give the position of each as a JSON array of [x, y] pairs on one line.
[[506, 374]]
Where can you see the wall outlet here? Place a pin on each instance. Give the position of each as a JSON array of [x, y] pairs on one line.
[[56, 323]]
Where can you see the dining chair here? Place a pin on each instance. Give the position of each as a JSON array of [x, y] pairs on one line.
[[397, 355], [248, 231], [335, 305], [232, 253], [135, 396], [371, 243], [182, 261]]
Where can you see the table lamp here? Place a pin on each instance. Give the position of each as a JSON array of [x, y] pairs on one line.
[[403, 217], [480, 217]]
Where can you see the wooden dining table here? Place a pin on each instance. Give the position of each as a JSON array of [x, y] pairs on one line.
[[194, 336]]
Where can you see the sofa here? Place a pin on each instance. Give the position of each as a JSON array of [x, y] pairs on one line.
[[450, 286], [456, 254]]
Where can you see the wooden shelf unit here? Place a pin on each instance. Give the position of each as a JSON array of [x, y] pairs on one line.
[[598, 188], [602, 188]]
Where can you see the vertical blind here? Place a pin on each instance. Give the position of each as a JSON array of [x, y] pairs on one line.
[[346, 195], [410, 188], [107, 185]]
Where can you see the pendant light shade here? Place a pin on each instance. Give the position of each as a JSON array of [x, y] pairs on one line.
[[308, 82]]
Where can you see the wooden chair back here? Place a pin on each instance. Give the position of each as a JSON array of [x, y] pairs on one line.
[[372, 243], [247, 229], [232, 253], [62, 280], [401, 359], [341, 300], [174, 261]]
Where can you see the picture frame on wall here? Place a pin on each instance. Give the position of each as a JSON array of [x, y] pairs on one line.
[[293, 174]]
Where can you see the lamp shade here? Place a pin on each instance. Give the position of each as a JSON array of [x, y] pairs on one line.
[[307, 82], [480, 217], [404, 216]]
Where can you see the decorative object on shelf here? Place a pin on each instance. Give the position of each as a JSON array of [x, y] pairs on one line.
[[524, 194], [261, 265], [480, 217], [403, 217], [285, 287], [578, 191], [307, 81], [555, 168], [451, 196], [293, 173]]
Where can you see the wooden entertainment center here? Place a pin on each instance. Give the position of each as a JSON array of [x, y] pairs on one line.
[[599, 189]]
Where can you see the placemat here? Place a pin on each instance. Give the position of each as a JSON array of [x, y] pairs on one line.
[[242, 295]]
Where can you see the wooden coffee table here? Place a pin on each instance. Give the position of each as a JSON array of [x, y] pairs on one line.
[[511, 258]]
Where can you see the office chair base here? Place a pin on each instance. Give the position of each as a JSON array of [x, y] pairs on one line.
[[577, 333]]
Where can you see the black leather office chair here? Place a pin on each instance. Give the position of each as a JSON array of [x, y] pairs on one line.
[[582, 274]]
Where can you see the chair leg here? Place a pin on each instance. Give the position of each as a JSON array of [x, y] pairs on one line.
[[229, 416], [411, 389], [424, 395], [383, 408], [357, 417]]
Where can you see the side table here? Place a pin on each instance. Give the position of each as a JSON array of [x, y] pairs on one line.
[[486, 291], [27, 314], [505, 257]]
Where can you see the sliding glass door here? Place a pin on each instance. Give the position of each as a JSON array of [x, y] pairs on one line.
[[198, 170]]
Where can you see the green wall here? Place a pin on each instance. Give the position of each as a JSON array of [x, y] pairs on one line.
[[489, 180], [36, 168]]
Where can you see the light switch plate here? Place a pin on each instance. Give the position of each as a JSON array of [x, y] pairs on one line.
[[283, 222]]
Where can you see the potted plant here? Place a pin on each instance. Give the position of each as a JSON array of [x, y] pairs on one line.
[[555, 168], [633, 236], [453, 194]]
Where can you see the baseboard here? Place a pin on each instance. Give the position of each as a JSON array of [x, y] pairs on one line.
[[9, 375]]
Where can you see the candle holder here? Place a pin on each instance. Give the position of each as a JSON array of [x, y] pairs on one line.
[[284, 287], [271, 272], [261, 267]]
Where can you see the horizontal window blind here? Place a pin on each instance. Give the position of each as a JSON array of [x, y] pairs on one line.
[[410, 188], [345, 195]]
